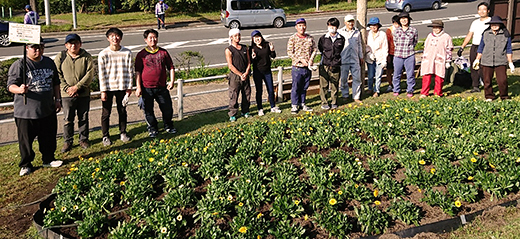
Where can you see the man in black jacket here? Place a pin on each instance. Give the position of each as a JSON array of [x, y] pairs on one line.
[[330, 45]]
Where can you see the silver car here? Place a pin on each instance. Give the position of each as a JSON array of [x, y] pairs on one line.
[[409, 5], [249, 13]]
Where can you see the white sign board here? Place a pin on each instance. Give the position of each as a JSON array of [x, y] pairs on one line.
[[24, 33]]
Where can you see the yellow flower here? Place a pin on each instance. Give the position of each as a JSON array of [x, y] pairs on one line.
[[75, 207], [242, 230], [306, 217], [230, 197], [184, 164], [179, 218], [356, 186], [376, 192], [63, 209], [297, 202], [473, 160], [122, 183], [240, 204], [470, 177], [333, 201], [422, 162], [492, 166], [151, 159], [340, 192], [139, 166], [258, 237], [75, 187], [377, 203], [215, 213], [458, 203], [419, 190], [432, 170], [259, 215], [475, 153], [97, 169], [164, 230]]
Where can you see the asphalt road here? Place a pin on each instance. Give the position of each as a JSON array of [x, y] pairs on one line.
[[210, 38]]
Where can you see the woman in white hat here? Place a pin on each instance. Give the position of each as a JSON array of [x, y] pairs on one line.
[[436, 58]]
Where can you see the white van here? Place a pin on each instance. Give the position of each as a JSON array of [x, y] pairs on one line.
[[248, 13]]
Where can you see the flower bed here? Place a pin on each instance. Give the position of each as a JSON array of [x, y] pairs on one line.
[[351, 172]]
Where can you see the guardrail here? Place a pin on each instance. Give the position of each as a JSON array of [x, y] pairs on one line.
[[180, 96]]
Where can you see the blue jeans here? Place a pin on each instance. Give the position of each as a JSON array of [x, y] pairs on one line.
[[408, 64], [375, 70], [159, 23], [258, 76], [163, 98], [301, 77]]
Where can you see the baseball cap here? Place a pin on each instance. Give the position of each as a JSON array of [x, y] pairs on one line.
[[27, 7], [255, 32], [72, 37], [300, 20], [349, 18]]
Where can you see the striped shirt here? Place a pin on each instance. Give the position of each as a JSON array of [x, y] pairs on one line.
[[301, 48], [405, 41], [116, 70]]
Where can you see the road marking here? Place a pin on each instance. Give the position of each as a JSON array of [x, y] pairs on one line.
[[175, 44], [219, 41]]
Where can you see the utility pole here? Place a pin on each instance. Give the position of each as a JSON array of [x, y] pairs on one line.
[[74, 19], [317, 5], [362, 26], [47, 12]]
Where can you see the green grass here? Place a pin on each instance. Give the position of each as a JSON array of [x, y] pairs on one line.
[[486, 227]]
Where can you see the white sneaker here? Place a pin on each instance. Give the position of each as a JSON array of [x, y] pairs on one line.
[[260, 112], [276, 110], [124, 137], [294, 109], [53, 164], [306, 108], [25, 171]]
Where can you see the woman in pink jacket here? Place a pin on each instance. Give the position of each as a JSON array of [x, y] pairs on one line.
[[436, 58]]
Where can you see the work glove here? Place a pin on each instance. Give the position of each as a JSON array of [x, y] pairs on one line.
[[459, 53], [125, 100], [512, 67], [476, 64]]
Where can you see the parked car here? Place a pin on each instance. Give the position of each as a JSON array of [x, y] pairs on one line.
[[409, 5], [248, 13], [4, 33]]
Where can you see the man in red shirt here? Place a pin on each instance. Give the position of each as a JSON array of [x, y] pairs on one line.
[[151, 65]]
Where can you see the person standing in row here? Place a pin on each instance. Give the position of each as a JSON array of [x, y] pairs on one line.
[[351, 59], [496, 53], [391, 48], [330, 45], [116, 73], [160, 12], [76, 71], [436, 58], [377, 52], [35, 116], [261, 53], [151, 66], [475, 35], [405, 39], [301, 48], [31, 17], [239, 64]]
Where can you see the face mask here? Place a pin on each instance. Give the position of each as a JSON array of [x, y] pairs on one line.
[[332, 30]]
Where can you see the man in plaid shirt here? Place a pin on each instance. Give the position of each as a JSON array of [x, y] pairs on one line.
[[405, 39]]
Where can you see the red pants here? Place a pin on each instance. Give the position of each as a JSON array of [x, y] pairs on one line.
[[426, 80], [501, 75]]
